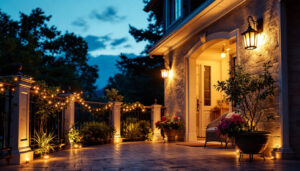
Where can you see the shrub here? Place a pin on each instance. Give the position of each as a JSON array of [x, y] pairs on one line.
[[74, 136], [146, 130], [43, 142], [96, 133], [135, 130]]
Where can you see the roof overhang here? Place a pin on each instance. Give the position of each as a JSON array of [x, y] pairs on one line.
[[204, 16]]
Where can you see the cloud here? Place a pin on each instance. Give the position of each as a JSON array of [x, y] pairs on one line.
[[80, 22], [97, 42], [127, 46], [117, 42], [110, 14]]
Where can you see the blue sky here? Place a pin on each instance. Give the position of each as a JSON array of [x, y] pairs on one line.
[[103, 23]]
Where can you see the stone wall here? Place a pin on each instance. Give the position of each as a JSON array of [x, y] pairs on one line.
[[252, 60]]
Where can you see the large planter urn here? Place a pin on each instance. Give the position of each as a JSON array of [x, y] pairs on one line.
[[252, 142], [171, 134]]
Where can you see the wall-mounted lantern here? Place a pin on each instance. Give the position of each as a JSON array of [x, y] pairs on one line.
[[250, 35], [164, 73]]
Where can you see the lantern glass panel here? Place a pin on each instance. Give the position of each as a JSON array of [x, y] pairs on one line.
[[164, 73]]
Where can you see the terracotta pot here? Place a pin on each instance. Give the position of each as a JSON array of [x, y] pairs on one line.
[[252, 142], [171, 134]]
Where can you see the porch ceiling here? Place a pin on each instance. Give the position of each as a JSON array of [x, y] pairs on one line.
[[193, 25]]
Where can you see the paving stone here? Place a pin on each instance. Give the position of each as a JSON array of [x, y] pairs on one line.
[[152, 156]]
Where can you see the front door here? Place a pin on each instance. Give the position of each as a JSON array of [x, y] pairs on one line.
[[209, 73]]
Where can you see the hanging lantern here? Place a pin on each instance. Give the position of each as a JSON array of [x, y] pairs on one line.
[[250, 35], [223, 54], [164, 73]]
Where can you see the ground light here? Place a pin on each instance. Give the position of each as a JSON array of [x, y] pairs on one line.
[[46, 157]]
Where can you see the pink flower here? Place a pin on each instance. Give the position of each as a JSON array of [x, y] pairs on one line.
[[176, 117]]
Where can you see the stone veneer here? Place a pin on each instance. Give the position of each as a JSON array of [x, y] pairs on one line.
[[252, 60]]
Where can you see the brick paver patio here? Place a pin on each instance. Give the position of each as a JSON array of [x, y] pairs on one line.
[[151, 156]]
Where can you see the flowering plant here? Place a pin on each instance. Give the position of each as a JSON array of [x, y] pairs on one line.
[[169, 123], [231, 126], [74, 135]]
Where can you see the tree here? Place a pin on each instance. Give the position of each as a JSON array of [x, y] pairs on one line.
[[139, 78], [45, 53]]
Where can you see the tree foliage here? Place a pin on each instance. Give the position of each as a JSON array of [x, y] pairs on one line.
[[139, 78], [44, 52]]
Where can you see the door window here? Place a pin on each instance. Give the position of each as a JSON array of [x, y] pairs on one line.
[[207, 86]]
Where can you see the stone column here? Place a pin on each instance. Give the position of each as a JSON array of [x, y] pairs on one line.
[[116, 121], [285, 152], [19, 128], [69, 112], [191, 101], [156, 116]]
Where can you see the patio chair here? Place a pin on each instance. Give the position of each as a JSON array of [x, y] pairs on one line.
[[212, 130]]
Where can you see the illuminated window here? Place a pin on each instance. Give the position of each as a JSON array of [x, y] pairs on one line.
[[207, 85]]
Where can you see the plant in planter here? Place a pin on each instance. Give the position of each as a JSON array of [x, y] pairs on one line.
[[170, 127], [250, 93]]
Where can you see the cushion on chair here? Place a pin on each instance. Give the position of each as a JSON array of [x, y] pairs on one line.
[[212, 129]]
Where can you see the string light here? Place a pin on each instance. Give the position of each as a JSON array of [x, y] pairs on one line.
[[61, 102]]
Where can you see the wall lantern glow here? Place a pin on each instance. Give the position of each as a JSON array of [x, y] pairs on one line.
[[250, 35], [164, 73]]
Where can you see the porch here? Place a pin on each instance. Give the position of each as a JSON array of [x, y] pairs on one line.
[[151, 156]]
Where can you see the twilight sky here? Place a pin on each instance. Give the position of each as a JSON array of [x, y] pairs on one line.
[[104, 24]]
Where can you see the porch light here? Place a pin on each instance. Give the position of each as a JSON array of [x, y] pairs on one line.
[[250, 35], [223, 54], [164, 73]]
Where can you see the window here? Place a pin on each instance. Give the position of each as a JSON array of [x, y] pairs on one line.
[[207, 86], [174, 11]]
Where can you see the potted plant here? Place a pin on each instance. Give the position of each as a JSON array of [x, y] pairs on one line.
[[250, 94], [170, 127]]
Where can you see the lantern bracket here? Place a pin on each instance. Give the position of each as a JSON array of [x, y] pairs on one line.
[[257, 25]]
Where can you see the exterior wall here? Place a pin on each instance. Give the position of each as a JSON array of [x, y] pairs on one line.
[[293, 59], [252, 60]]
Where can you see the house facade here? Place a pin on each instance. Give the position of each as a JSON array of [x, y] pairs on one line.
[[202, 42]]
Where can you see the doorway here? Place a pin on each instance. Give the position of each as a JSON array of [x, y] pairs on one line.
[[213, 65]]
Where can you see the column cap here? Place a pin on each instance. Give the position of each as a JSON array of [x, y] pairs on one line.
[[23, 81], [24, 78], [116, 103], [156, 106]]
